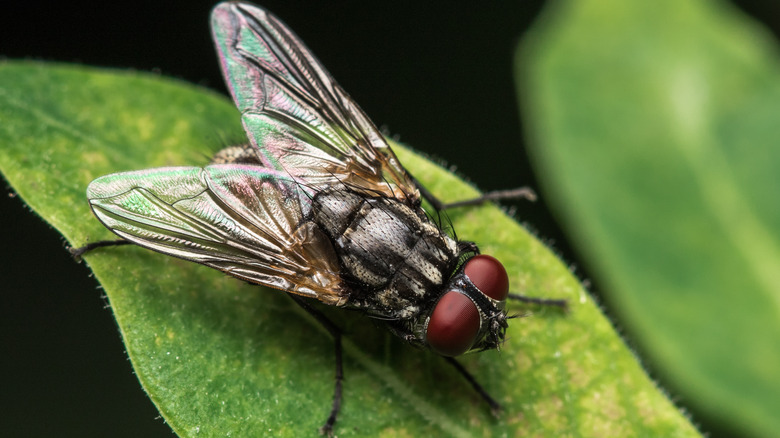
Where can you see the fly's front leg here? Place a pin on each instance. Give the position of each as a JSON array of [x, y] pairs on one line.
[[497, 195], [327, 428], [80, 251], [560, 303], [495, 407]]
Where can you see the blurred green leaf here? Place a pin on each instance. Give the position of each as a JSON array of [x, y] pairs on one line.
[[655, 128], [220, 357]]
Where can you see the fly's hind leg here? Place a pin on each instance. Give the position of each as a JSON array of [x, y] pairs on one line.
[[335, 331], [498, 195], [80, 251]]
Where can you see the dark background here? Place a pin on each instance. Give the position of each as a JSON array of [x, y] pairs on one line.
[[438, 75]]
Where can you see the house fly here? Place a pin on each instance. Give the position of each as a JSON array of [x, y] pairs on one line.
[[316, 204]]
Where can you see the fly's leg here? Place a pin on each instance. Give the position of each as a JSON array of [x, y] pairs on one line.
[[495, 407], [498, 195], [560, 303], [80, 251], [519, 193], [327, 428]]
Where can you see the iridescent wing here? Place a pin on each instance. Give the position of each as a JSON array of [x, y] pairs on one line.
[[246, 221], [294, 113]]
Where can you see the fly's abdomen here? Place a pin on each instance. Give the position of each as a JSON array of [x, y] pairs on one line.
[[391, 254]]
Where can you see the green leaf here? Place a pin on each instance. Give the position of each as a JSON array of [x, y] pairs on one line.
[[220, 357], [655, 130]]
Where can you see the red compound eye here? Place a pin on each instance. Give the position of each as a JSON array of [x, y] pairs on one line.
[[488, 275], [454, 325]]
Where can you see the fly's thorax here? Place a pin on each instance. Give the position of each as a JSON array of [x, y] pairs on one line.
[[395, 259]]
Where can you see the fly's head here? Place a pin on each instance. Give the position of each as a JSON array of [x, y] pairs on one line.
[[470, 314]]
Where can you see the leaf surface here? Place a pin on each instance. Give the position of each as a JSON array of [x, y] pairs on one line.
[[220, 357]]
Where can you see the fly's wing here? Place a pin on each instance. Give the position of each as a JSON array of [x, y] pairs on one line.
[[244, 220], [295, 114]]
